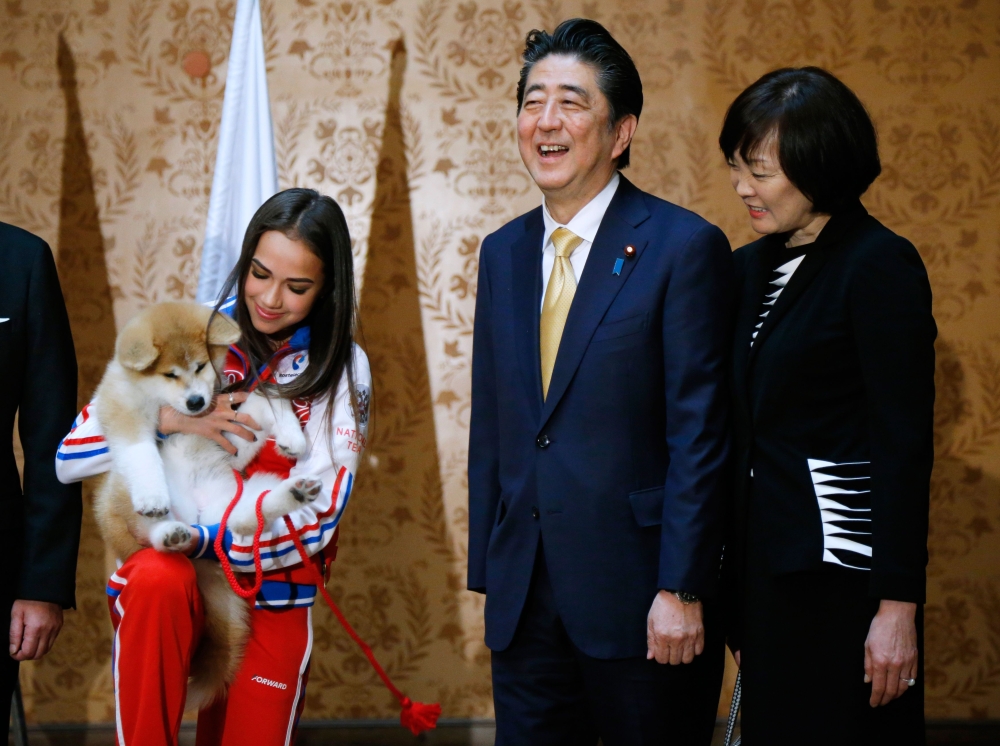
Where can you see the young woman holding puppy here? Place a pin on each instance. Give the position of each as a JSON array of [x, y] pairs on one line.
[[292, 294]]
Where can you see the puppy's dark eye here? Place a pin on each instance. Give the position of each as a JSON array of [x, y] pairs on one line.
[[200, 368], [170, 375]]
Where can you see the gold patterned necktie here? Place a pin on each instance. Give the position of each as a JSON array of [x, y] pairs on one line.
[[558, 299]]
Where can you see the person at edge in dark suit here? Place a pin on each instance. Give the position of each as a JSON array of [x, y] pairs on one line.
[[41, 525], [599, 433], [833, 372]]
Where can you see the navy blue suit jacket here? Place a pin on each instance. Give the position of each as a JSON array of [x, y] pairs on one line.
[[622, 469]]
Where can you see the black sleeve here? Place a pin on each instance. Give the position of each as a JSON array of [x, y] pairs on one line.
[[730, 585], [697, 337], [52, 511], [890, 305]]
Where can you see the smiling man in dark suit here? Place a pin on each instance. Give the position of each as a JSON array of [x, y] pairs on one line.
[[39, 526], [599, 436]]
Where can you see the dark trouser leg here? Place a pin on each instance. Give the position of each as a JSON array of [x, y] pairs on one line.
[[8, 666], [803, 665], [538, 688], [638, 702]]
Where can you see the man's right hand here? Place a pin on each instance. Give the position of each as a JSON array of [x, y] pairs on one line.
[[674, 630], [219, 418], [34, 626]]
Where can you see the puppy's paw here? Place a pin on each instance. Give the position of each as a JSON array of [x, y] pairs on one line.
[[306, 489], [151, 505], [178, 538], [170, 536], [292, 444], [287, 497]]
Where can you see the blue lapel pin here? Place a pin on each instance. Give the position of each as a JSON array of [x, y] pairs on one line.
[[619, 263]]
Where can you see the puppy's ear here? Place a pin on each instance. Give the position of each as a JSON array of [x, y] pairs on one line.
[[222, 331], [136, 348]]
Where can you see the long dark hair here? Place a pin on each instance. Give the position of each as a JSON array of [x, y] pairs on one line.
[[317, 221]]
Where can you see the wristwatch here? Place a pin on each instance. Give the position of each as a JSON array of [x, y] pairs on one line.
[[686, 598]]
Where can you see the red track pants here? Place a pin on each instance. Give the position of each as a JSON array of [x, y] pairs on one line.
[[157, 614]]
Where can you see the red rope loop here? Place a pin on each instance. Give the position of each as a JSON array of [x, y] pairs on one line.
[[416, 716], [227, 568]]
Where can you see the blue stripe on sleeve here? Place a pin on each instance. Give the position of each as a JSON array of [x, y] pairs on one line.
[[275, 553], [203, 542], [206, 542], [80, 454]]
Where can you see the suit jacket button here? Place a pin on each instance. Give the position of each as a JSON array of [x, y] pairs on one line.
[[543, 441], [535, 513]]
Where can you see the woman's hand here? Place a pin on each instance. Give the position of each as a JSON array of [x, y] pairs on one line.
[[213, 422], [891, 651]]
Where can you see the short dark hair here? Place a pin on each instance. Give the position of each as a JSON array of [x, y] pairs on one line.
[[591, 43], [827, 144]]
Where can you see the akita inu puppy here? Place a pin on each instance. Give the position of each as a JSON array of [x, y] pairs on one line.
[[168, 355]]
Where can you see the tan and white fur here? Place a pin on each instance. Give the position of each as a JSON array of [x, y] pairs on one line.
[[168, 355]]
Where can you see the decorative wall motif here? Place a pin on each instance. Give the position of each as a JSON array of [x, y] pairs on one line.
[[403, 110]]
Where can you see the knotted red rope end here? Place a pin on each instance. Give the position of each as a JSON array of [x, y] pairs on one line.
[[419, 717], [416, 716]]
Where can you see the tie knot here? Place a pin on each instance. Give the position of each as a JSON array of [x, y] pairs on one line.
[[565, 242]]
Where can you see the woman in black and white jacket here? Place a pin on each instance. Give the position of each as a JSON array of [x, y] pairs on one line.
[[833, 385]]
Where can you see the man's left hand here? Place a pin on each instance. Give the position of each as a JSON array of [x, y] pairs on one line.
[[34, 626], [674, 630]]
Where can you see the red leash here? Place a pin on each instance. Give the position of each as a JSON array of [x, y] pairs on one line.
[[416, 716], [227, 568]]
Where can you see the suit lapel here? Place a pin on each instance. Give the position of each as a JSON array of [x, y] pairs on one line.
[[526, 274], [815, 258], [598, 286], [839, 226], [754, 288]]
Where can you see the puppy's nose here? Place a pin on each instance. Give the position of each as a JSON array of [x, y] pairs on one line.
[[196, 403]]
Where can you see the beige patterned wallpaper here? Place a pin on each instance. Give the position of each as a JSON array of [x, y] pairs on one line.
[[403, 110]]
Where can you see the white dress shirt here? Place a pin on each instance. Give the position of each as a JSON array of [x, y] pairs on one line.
[[584, 224]]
